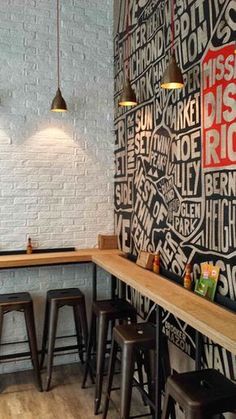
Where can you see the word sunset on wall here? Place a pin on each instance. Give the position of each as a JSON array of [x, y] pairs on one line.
[[175, 183]]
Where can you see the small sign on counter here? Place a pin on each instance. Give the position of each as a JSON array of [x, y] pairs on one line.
[[107, 241], [145, 260]]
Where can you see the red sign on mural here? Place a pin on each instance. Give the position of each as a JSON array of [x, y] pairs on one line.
[[219, 107]]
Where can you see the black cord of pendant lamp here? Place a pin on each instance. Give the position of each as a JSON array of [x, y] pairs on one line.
[[58, 103], [128, 97], [172, 77]]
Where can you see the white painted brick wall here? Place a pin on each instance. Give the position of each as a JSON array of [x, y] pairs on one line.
[[56, 170]]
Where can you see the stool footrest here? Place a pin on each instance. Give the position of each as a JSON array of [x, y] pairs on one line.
[[65, 348], [140, 389], [15, 356], [13, 343]]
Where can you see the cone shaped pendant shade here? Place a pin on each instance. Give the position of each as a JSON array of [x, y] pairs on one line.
[[58, 103], [128, 97], [172, 77]]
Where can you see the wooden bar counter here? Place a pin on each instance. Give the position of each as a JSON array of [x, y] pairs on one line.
[[51, 258], [213, 321], [208, 318]]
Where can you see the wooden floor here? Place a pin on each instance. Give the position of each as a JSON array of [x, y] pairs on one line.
[[66, 400]]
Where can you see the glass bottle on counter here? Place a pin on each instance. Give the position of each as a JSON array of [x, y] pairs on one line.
[[156, 263], [188, 277], [29, 248]]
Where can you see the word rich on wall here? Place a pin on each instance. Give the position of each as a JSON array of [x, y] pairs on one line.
[[175, 184]]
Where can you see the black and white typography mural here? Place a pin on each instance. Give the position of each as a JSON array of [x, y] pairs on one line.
[[175, 157]]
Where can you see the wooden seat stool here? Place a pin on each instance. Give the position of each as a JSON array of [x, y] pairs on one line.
[[104, 313], [133, 340], [201, 394], [22, 302], [55, 300]]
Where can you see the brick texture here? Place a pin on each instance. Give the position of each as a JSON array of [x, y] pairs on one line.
[[56, 170]]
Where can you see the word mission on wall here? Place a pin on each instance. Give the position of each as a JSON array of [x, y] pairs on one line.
[[175, 157]]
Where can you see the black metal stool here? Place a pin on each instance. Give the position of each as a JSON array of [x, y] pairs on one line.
[[106, 312], [55, 300], [22, 301], [134, 340], [201, 394]]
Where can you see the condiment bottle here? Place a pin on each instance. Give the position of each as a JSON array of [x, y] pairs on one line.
[[29, 248], [156, 263], [188, 277]]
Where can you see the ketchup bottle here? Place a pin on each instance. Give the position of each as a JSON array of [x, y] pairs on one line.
[[156, 264], [29, 248], [188, 277]]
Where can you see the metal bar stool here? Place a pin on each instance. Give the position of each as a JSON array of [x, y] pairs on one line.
[[134, 340], [22, 301], [104, 312], [55, 300], [201, 394]]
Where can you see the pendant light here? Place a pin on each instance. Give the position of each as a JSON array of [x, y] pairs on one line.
[[172, 77], [58, 103], [128, 97]]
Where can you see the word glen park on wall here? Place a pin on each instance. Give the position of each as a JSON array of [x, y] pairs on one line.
[[175, 182]]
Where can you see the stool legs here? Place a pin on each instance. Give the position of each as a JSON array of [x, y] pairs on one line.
[[45, 335], [140, 372], [51, 341], [81, 323], [166, 373], [78, 333], [101, 348], [150, 377], [90, 342], [127, 372], [29, 320], [113, 354], [1, 322], [167, 405]]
